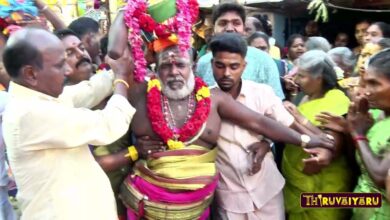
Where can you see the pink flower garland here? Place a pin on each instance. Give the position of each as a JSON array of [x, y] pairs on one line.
[[183, 20], [187, 13], [135, 39]]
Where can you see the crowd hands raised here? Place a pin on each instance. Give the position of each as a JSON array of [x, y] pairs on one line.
[[312, 104]]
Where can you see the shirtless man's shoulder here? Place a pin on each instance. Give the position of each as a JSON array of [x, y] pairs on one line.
[[137, 92]]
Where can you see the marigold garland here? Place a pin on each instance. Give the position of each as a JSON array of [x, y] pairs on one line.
[[137, 19], [191, 127]]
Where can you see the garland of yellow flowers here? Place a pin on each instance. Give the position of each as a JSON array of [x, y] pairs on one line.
[[176, 140]]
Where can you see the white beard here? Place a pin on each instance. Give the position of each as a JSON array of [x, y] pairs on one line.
[[181, 93]]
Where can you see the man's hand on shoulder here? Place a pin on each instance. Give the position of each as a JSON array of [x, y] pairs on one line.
[[123, 66]]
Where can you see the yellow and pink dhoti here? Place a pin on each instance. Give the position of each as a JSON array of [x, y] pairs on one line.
[[176, 184]]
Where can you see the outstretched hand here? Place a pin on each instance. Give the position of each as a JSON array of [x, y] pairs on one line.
[[322, 140], [332, 122]]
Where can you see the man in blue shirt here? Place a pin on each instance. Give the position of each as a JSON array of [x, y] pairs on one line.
[[260, 68]]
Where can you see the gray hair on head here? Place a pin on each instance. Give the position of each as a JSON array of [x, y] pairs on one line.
[[345, 55], [318, 43], [317, 63], [381, 62], [384, 43]]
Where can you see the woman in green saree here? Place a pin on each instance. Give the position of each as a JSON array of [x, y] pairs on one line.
[[371, 132], [317, 79]]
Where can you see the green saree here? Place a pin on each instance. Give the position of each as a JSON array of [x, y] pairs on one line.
[[379, 140], [333, 178]]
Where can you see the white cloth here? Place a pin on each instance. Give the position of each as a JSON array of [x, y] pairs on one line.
[[47, 141]]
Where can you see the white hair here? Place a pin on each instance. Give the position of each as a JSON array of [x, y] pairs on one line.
[[317, 63], [318, 43], [181, 93], [345, 55]]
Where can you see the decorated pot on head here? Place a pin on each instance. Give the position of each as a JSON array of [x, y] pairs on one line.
[[158, 24]]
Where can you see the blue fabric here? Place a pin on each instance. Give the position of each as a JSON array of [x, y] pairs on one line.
[[3, 171], [27, 7], [260, 68], [6, 210]]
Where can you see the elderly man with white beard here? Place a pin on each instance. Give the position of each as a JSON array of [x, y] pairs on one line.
[[176, 177]]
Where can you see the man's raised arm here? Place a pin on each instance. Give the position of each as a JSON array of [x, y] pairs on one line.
[[237, 113]]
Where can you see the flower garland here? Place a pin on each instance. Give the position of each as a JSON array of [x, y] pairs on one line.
[[137, 19], [135, 39], [175, 140]]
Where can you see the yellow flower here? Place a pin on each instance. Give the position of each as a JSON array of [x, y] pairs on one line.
[[154, 83], [173, 38], [175, 145], [202, 93]]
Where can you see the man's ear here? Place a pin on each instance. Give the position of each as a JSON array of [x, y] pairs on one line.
[[28, 75], [193, 67], [245, 63], [87, 39]]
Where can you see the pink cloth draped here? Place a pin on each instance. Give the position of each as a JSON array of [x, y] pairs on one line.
[[160, 194]]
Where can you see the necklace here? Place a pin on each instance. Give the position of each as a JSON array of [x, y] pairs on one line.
[[162, 118], [168, 113]]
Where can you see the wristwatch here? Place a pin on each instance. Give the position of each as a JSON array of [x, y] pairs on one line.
[[305, 139], [269, 141]]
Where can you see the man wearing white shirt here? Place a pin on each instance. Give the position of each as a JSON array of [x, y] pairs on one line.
[[47, 130]]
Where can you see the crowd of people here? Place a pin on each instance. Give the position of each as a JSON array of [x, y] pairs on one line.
[[238, 130]]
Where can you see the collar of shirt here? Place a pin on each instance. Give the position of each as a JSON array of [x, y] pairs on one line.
[[19, 91], [245, 89]]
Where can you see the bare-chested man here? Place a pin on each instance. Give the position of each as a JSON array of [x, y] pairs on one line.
[[190, 171]]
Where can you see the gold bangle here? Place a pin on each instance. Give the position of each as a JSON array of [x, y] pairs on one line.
[[133, 153], [121, 81]]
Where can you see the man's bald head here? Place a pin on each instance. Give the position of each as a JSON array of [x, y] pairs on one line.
[[36, 59], [25, 47]]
